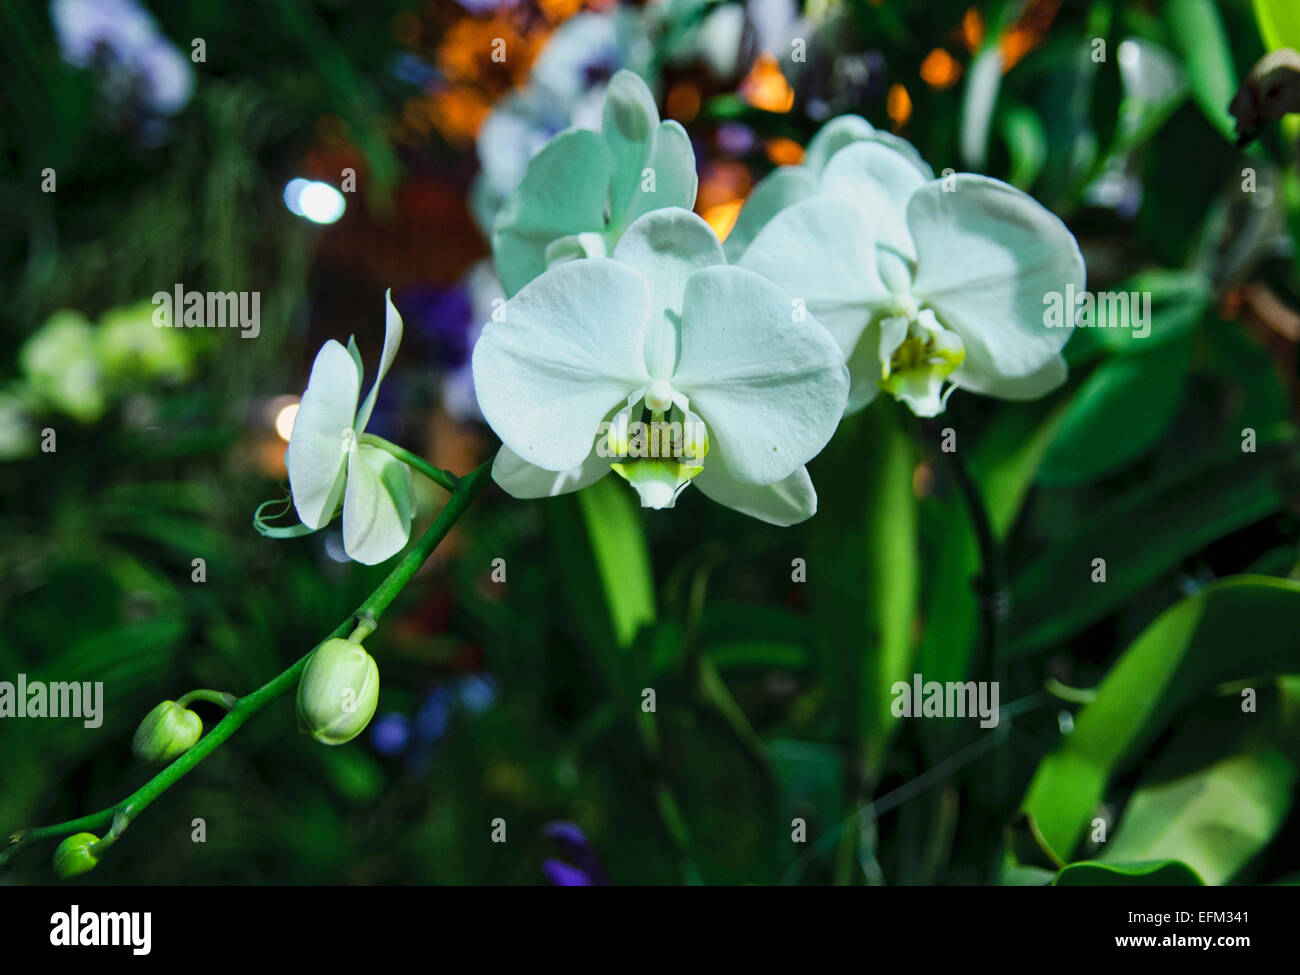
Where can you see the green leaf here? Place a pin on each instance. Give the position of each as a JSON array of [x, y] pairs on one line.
[[1118, 414], [622, 558], [1215, 819], [1176, 659], [1142, 535], [1279, 23], [1153, 873], [864, 600], [1026, 141], [1198, 31]]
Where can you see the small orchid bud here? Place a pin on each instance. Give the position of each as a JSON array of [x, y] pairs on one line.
[[338, 693], [166, 733], [75, 855]]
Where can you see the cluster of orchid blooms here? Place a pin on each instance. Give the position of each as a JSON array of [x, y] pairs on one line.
[[855, 272]]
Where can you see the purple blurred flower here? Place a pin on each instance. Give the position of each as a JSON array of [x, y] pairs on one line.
[[560, 874], [435, 714], [442, 317], [121, 39], [735, 139], [390, 734], [583, 869]]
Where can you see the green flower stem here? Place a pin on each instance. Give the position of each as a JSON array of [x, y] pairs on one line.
[[221, 698], [437, 475], [466, 489]]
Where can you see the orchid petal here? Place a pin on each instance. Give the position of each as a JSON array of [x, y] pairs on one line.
[[987, 257], [787, 502], [770, 388], [322, 430], [569, 351], [377, 505]]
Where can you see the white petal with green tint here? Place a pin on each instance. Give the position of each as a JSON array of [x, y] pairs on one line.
[[770, 389], [569, 352], [987, 256], [822, 251], [322, 435], [879, 180], [787, 502], [392, 339], [675, 182], [564, 191], [520, 479], [666, 247], [376, 506], [1033, 386]]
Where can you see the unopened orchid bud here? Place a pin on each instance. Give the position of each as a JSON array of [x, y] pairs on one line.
[[166, 733], [338, 693], [75, 855]]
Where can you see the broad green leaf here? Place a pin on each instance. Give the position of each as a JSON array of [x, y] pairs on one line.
[[1151, 873], [1006, 458], [1142, 535], [864, 598], [1176, 659], [1279, 23], [1214, 819], [1026, 141], [622, 558], [1121, 411], [1198, 31]]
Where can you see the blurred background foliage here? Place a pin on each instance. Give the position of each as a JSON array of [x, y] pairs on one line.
[[523, 700]]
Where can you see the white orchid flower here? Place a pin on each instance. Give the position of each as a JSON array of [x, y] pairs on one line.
[[787, 185], [666, 330], [328, 462], [585, 188], [924, 283]]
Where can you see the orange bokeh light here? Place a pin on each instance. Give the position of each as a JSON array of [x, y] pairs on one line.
[[765, 86]]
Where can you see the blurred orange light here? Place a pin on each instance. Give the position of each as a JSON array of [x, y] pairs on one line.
[[723, 217], [898, 103], [972, 30], [765, 86], [784, 152], [1015, 44], [940, 69], [683, 102]]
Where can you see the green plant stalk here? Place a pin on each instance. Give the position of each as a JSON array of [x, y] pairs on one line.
[[466, 489]]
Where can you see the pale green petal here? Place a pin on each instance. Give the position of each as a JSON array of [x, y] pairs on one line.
[[392, 339], [787, 502], [881, 181], [777, 190], [569, 351], [822, 251], [1033, 386], [987, 256], [666, 247], [629, 124], [671, 180], [377, 505], [770, 389], [564, 191], [322, 432], [520, 479], [839, 132]]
